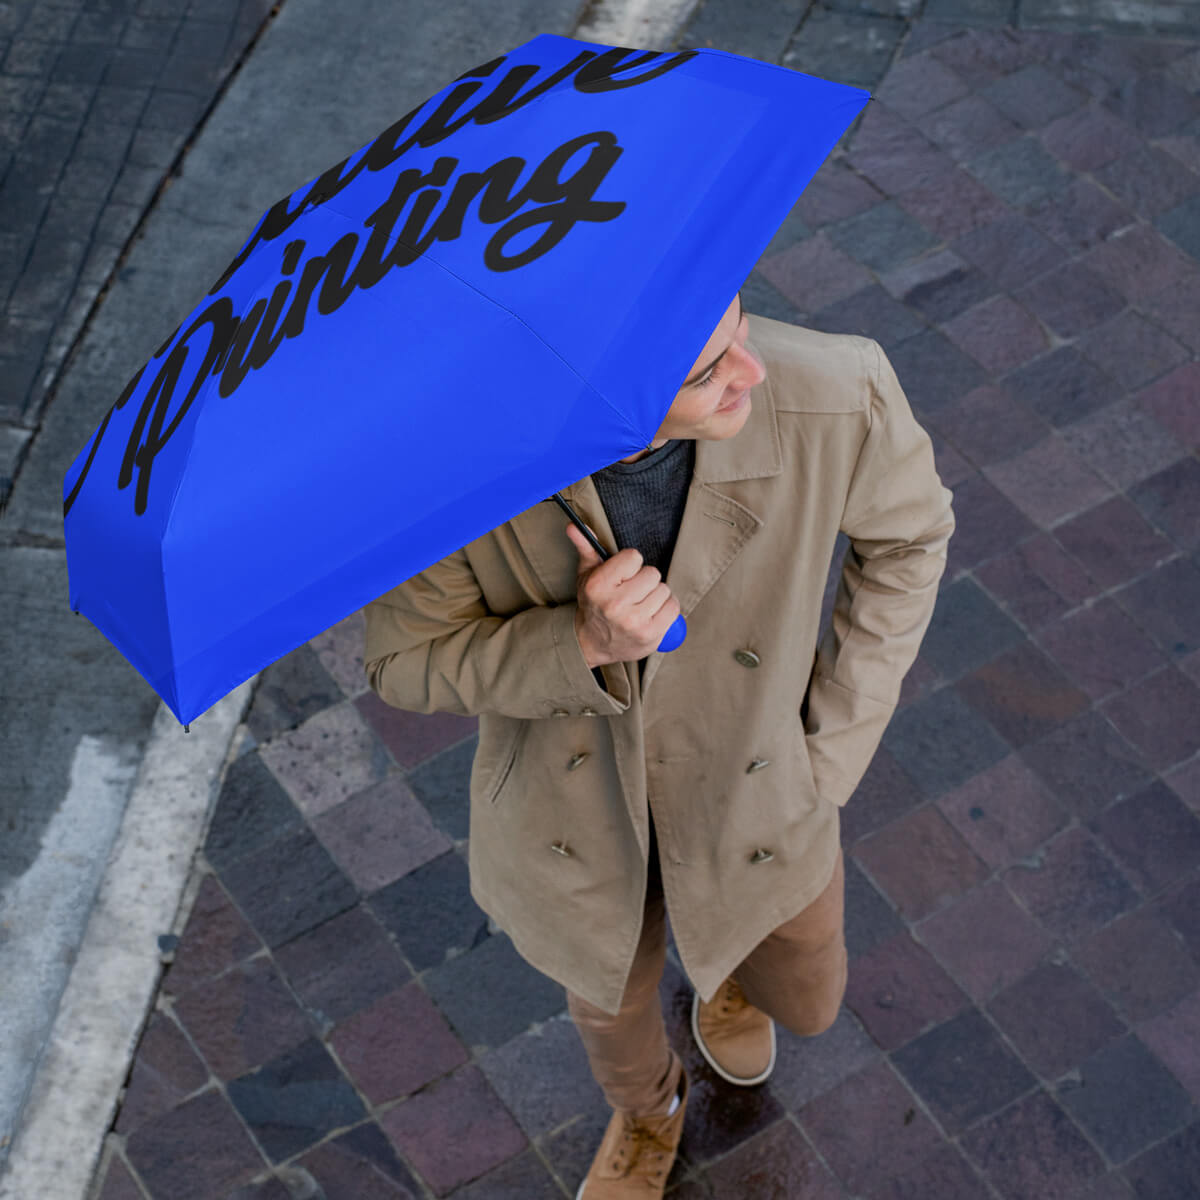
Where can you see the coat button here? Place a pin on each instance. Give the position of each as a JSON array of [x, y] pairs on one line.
[[760, 856], [560, 712], [589, 712], [576, 759], [747, 658], [562, 848], [757, 765]]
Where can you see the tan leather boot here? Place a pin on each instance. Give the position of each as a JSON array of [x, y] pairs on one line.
[[737, 1039], [636, 1155]]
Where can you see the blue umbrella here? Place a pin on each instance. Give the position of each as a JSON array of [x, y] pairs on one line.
[[524, 267]]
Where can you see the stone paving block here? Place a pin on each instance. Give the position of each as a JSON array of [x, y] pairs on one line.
[[1086, 763], [491, 994], [885, 792], [1123, 443], [1071, 886], [1049, 481], [1004, 813], [1033, 1149], [981, 54], [1168, 401], [854, 48], [920, 739], [1080, 217], [328, 759], [1172, 1168], [869, 313], [414, 737], [967, 127], [967, 630], [295, 1100], [1180, 225], [963, 1071], [342, 966], [1166, 603], [1063, 386], [1071, 299], [288, 887], [835, 193], [985, 940], [1021, 172], [952, 203], [1153, 835], [1153, 104], [1032, 97], [166, 1070], [1140, 264], [1022, 695], [1148, 180], [252, 811], [940, 285], [443, 786], [242, 1019], [1125, 1099], [813, 274], [396, 1045], [1083, 1020], [1156, 715], [892, 155], [454, 1131], [197, 1150], [881, 238], [216, 936], [1132, 350], [1014, 579], [570, 1149], [869, 919], [1171, 501], [870, 1129], [1009, 251], [543, 1077], [898, 989], [1184, 780], [918, 84], [119, 1184], [920, 862], [292, 689], [522, 1178], [807, 1067], [999, 334], [361, 1164], [1089, 137], [777, 1162], [1139, 964], [1114, 542], [380, 834], [430, 911], [1174, 1036], [1100, 649]]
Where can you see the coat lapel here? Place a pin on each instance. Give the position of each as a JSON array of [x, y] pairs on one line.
[[716, 524]]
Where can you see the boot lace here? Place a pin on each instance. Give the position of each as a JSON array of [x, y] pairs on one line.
[[641, 1138]]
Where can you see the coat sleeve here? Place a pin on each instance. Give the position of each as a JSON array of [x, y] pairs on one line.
[[432, 645], [899, 520]]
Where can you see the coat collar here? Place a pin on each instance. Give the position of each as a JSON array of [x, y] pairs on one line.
[[717, 519]]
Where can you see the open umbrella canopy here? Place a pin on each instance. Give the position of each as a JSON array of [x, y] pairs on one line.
[[500, 294]]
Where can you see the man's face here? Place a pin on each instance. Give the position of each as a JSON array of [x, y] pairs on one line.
[[696, 411]]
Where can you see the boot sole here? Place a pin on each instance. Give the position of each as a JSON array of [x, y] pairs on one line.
[[716, 1066]]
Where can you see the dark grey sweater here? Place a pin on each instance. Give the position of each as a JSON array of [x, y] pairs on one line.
[[644, 503]]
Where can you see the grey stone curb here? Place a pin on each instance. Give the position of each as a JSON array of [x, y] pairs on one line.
[[116, 972]]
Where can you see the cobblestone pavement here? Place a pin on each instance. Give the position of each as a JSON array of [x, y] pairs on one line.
[[1017, 219]]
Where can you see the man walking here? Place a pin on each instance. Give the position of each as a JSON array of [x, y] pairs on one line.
[[613, 783]]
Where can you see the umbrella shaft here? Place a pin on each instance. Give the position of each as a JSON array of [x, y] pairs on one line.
[[587, 533]]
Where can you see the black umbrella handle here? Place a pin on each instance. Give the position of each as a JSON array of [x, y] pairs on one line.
[[674, 636]]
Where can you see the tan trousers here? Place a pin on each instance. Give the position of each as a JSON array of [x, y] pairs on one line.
[[796, 975]]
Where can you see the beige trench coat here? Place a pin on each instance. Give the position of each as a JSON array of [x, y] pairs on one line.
[[745, 792]]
